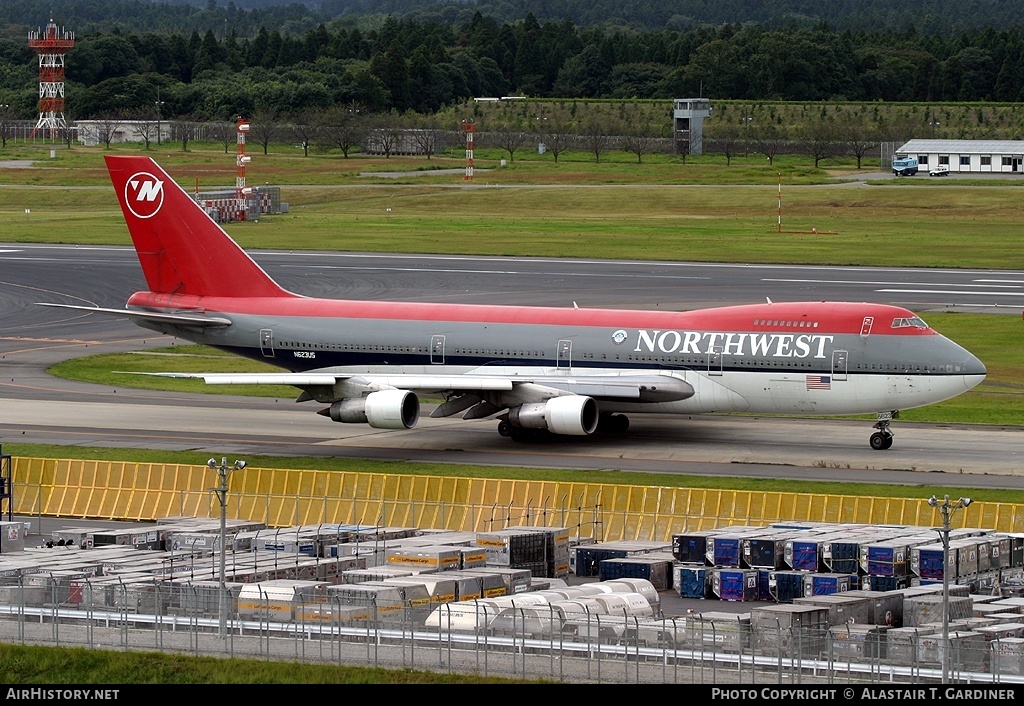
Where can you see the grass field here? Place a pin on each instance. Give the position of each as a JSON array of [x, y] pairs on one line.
[[661, 210], [59, 666]]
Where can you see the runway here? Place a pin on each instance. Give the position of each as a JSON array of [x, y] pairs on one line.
[[38, 408]]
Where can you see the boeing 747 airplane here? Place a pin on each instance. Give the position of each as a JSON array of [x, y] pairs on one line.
[[539, 371]]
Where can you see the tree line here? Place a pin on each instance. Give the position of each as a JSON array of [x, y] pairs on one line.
[[408, 65], [820, 131], [944, 17]]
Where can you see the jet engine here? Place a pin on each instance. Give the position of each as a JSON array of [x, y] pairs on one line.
[[574, 415], [385, 409]]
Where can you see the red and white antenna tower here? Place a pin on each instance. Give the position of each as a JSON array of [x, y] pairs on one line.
[[51, 45], [469, 127], [241, 192]]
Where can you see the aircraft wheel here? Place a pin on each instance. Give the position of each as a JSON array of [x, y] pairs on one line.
[[613, 423], [504, 428], [880, 441]]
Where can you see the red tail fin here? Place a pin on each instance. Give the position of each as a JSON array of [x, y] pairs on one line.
[[181, 249]]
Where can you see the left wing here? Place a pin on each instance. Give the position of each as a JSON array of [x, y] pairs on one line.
[[502, 390]]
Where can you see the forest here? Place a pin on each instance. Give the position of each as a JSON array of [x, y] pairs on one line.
[[242, 58]]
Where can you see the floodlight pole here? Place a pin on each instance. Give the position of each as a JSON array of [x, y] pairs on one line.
[[222, 496], [946, 508]]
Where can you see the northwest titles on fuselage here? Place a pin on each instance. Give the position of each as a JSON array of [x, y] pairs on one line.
[[778, 345]]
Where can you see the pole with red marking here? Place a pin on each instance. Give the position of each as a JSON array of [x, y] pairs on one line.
[[469, 128], [240, 161]]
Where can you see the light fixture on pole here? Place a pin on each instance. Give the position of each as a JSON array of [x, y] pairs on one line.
[[946, 508], [158, 115], [222, 496]]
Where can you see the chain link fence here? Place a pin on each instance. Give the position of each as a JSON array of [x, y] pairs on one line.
[[542, 641]]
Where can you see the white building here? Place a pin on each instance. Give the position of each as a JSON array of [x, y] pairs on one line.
[[94, 132], [967, 155]]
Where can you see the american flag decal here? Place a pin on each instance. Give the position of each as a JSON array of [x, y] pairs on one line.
[[819, 382]]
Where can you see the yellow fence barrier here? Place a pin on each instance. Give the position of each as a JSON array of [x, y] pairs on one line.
[[129, 491]]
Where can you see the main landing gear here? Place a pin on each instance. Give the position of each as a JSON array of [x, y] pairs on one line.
[[607, 424], [882, 439]]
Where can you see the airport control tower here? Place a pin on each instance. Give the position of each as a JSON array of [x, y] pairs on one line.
[[688, 124], [51, 45]]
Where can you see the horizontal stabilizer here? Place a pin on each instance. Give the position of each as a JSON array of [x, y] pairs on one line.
[[141, 315]]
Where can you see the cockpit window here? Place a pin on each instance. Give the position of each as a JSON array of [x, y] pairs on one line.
[[911, 321]]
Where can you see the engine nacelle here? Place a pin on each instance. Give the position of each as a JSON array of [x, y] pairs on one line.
[[386, 409], [574, 415]]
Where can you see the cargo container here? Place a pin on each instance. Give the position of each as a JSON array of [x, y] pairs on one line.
[[486, 584], [148, 536], [691, 548], [902, 644], [1001, 630], [823, 584], [513, 547], [886, 607], [719, 631], [1007, 656], [767, 550], [635, 585], [784, 586], [891, 557], [463, 615], [789, 629], [886, 583], [415, 592], [858, 642], [278, 599], [805, 553], [734, 584], [589, 558], [515, 580], [655, 570], [725, 550], [923, 609], [841, 556], [842, 609], [439, 589], [425, 558], [967, 650], [627, 605], [692, 580], [380, 601], [81, 537]]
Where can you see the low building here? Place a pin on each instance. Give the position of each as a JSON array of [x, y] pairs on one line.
[[95, 132], [976, 156]]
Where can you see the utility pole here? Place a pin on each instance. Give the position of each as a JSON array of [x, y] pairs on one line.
[[946, 508], [222, 495]]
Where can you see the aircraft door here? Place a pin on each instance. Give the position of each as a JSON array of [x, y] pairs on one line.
[[865, 326], [715, 361], [267, 343], [563, 358], [437, 349], [839, 365]]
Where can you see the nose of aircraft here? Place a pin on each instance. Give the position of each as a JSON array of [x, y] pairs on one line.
[[974, 370]]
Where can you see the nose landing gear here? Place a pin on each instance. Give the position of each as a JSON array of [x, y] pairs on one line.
[[882, 439]]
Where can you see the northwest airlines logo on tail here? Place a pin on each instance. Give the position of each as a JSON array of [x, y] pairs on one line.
[[144, 194]]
